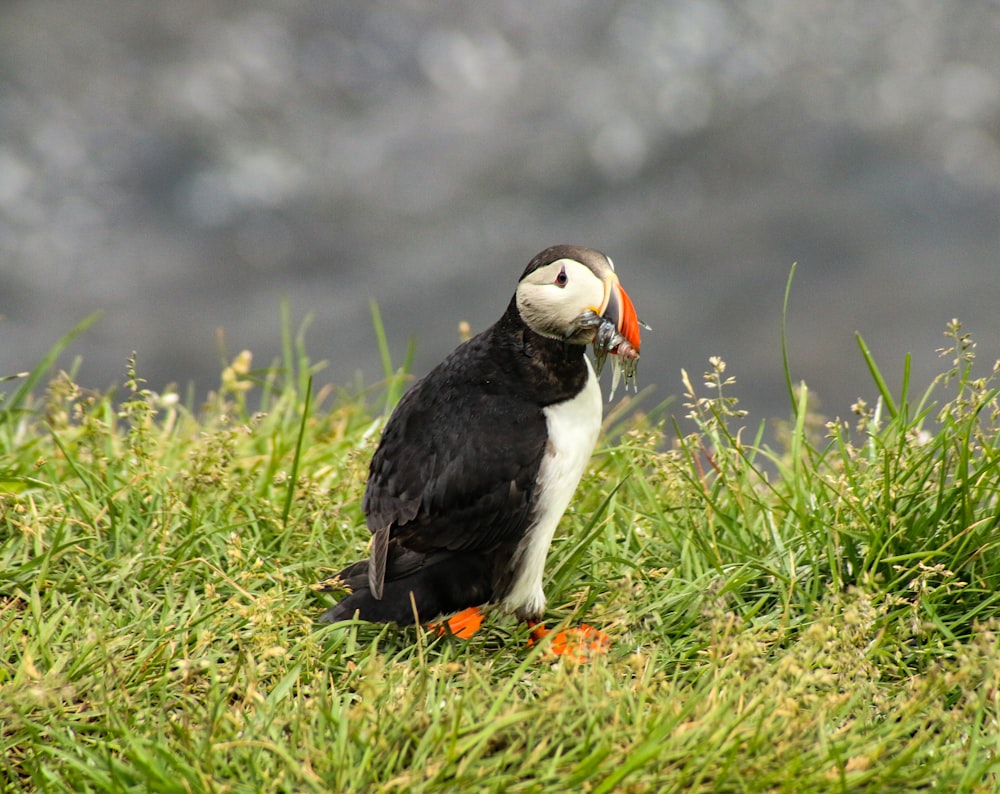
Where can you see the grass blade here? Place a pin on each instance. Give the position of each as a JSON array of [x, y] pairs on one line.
[[883, 388], [784, 337], [293, 476]]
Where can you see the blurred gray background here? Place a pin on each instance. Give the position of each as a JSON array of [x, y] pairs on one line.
[[183, 165]]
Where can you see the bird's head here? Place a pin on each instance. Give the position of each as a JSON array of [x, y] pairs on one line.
[[567, 291]]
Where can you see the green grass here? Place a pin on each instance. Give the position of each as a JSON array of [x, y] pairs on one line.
[[815, 614]]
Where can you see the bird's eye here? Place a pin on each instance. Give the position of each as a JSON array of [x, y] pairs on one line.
[[562, 279]]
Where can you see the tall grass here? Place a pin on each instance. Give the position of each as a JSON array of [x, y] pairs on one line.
[[817, 613]]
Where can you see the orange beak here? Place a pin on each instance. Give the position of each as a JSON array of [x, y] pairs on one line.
[[618, 309]]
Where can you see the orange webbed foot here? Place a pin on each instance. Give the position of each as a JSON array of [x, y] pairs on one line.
[[463, 624], [579, 644]]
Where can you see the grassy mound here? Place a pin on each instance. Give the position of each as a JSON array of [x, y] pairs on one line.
[[817, 614]]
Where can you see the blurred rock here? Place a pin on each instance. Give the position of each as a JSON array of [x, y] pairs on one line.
[[184, 165]]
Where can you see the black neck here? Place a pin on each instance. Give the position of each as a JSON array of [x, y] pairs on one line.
[[554, 369]]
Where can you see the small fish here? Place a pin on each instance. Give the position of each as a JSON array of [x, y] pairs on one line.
[[607, 340]]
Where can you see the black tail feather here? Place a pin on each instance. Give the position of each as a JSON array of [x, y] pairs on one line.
[[437, 584]]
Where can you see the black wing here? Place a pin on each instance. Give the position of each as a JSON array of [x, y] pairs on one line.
[[457, 464]]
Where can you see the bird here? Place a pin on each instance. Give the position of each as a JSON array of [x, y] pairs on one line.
[[480, 458]]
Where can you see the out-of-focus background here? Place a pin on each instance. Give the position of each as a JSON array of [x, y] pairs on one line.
[[184, 165]]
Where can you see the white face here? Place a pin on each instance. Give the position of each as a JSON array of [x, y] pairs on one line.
[[552, 297]]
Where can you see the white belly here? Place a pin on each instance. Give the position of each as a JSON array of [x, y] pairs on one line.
[[573, 427]]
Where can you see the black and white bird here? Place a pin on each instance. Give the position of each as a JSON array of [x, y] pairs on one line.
[[480, 458]]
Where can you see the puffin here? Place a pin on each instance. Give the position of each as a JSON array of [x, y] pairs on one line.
[[480, 459]]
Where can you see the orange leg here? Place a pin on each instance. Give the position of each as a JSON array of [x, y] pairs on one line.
[[463, 624], [578, 644]]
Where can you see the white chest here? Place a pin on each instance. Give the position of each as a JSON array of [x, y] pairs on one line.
[[573, 427]]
